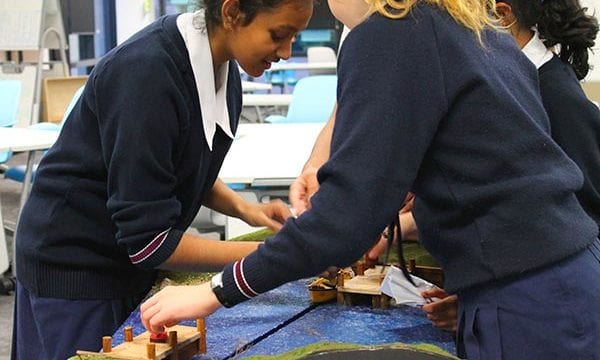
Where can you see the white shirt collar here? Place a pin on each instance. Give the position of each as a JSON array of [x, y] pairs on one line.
[[213, 102], [536, 51]]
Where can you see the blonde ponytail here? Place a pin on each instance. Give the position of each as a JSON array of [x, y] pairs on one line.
[[475, 15]]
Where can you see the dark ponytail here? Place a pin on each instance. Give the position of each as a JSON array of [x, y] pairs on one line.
[[561, 22], [565, 22]]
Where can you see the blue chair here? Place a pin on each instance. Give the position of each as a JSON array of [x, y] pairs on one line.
[[17, 173], [313, 100], [10, 96]]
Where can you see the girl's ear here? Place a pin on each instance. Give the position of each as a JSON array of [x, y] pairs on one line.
[[504, 10], [231, 14]]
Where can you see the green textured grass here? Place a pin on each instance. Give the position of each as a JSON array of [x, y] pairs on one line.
[[331, 346]]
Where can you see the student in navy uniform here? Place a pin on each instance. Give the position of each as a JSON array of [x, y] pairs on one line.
[[138, 156], [537, 26], [434, 99]]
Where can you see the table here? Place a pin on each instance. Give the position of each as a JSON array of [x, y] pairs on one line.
[[266, 100], [321, 65], [269, 154], [284, 319], [251, 86], [30, 141]]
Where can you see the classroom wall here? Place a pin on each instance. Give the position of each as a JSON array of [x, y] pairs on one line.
[[133, 15]]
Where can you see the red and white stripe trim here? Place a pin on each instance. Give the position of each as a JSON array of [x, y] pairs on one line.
[[149, 249], [240, 280]]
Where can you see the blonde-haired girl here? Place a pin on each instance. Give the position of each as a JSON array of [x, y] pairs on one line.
[[433, 99]]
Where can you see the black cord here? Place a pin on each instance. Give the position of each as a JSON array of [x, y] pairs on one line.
[[396, 232]]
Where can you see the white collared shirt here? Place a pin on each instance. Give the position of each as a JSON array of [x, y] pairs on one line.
[[212, 92], [536, 51]]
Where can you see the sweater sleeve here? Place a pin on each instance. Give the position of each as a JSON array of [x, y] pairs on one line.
[[140, 111], [391, 99]]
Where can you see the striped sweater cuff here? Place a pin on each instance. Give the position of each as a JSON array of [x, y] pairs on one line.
[[236, 287]]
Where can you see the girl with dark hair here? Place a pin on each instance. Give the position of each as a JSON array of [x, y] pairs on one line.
[[434, 99], [557, 36], [137, 157]]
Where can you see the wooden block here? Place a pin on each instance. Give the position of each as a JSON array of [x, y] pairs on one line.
[[151, 351], [201, 328], [106, 344], [128, 333]]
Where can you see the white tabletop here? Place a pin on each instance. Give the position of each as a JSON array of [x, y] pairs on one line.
[[24, 139], [250, 86], [267, 99], [326, 65], [260, 154], [269, 154]]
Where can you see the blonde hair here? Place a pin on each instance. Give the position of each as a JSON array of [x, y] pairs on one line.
[[475, 15]]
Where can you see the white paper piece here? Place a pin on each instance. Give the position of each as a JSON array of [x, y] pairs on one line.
[[398, 287]]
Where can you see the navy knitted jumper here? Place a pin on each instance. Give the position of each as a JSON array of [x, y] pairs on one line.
[[128, 174], [423, 106], [575, 125]]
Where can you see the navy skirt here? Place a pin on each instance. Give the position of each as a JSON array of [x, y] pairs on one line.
[[552, 313]]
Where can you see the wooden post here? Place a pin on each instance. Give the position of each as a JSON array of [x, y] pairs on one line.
[[128, 333], [106, 344], [360, 268], [412, 265], [151, 351], [173, 344], [201, 328]]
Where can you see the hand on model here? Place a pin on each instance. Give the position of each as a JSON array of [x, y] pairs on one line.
[[177, 303], [442, 311], [271, 215], [303, 188]]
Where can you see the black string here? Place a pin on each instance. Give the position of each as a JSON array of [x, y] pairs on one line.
[[396, 231]]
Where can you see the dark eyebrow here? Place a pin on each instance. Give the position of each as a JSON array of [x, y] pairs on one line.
[[286, 27]]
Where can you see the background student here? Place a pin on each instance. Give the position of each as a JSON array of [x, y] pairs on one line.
[[138, 156], [423, 100], [538, 27]]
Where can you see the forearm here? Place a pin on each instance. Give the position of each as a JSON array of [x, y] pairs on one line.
[[409, 227], [320, 152], [225, 200], [196, 254]]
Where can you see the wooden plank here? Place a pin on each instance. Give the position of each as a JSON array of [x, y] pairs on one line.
[[188, 343]]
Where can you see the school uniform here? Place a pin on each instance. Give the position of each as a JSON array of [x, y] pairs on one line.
[[112, 198], [574, 119], [423, 106]]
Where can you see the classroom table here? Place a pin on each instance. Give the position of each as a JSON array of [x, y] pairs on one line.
[[269, 154], [258, 101], [251, 86], [29, 141], [284, 319], [321, 65]]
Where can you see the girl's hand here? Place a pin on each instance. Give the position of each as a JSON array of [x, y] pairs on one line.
[[177, 303], [442, 311]]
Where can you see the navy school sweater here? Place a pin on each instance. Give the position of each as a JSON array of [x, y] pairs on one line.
[[127, 175], [423, 106], [575, 126]]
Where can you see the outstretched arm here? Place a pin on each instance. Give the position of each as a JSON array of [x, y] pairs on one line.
[[306, 184]]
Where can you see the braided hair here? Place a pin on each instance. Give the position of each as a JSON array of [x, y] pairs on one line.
[[562, 22]]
